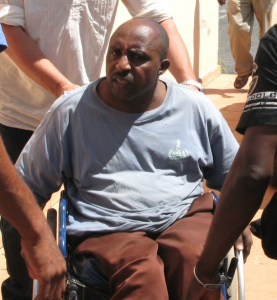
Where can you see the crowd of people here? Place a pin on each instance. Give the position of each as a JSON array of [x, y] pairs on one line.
[[108, 138]]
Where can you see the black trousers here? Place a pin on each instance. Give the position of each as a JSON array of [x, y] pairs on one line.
[[19, 285]]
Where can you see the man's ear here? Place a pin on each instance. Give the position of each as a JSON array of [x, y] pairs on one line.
[[165, 63]]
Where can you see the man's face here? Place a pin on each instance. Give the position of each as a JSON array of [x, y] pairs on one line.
[[133, 63]]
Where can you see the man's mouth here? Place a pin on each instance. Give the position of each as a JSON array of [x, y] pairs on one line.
[[121, 81]]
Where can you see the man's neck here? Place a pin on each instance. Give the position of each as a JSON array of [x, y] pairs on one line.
[[140, 105]]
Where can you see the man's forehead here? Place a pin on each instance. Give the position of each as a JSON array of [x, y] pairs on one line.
[[135, 30], [130, 43]]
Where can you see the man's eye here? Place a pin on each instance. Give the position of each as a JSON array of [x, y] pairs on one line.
[[138, 58], [115, 52]]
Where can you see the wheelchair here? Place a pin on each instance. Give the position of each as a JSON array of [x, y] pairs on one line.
[[81, 284]]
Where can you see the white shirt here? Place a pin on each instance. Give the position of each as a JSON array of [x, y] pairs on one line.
[[73, 35]]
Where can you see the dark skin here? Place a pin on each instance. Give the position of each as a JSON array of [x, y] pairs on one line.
[[133, 66], [240, 198]]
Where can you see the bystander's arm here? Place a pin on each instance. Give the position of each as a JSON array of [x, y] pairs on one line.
[[180, 66], [30, 59], [240, 198], [43, 257]]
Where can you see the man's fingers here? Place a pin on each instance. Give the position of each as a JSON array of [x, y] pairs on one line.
[[51, 289], [247, 248], [244, 243], [59, 288], [247, 242], [44, 292], [239, 244]]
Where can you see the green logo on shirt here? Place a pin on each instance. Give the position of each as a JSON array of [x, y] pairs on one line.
[[178, 155]]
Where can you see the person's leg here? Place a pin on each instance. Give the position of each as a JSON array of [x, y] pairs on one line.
[[241, 17], [181, 244], [262, 9], [19, 285], [130, 262]]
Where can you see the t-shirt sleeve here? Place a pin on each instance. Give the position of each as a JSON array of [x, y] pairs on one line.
[[12, 12], [42, 162], [157, 10], [222, 146], [261, 105]]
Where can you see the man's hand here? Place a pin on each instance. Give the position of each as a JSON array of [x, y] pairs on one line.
[[31, 60], [244, 243], [65, 87], [192, 87], [221, 2], [46, 264]]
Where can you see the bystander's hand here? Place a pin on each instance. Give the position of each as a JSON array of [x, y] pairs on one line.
[[244, 243], [46, 264], [198, 292], [66, 87], [192, 87]]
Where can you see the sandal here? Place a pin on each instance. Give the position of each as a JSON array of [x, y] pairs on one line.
[[241, 81]]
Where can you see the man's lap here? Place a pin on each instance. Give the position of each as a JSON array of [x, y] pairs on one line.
[[156, 259]]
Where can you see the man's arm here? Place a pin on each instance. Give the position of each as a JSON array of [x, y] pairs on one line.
[[180, 66], [18, 206], [240, 198], [30, 59]]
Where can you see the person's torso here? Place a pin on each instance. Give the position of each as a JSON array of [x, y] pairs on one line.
[[73, 35]]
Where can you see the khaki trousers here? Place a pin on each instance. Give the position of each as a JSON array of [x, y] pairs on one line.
[[146, 266], [241, 17]]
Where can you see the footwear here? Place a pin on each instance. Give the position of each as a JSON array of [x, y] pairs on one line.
[[241, 81]]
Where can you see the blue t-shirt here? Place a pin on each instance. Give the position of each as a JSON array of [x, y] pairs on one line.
[[3, 42], [128, 172]]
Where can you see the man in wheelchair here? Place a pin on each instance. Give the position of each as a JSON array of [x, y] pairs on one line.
[[133, 150]]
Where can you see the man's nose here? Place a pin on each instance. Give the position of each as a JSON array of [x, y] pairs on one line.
[[123, 64]]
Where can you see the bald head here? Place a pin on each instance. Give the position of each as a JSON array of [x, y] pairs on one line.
[[150, 30], [136, 57]]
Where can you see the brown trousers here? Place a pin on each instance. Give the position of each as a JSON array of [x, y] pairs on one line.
[[149, 267]]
